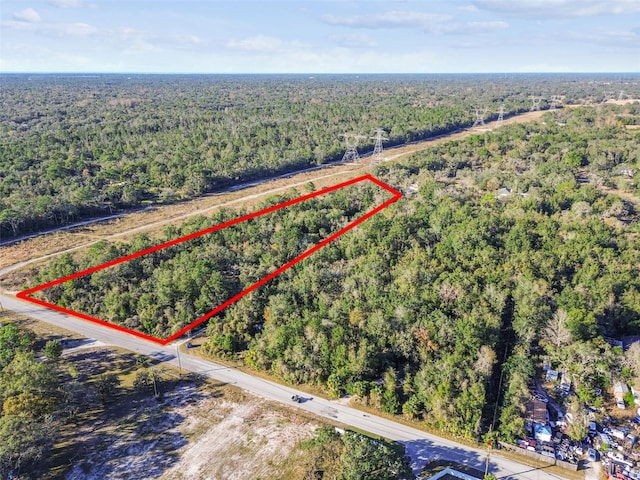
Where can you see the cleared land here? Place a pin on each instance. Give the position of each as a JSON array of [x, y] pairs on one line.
[[214, 432], [123, 228], [200, 429]]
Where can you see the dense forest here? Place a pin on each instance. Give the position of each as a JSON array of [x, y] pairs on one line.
[[161, 292], [78, 146], [508, 247]]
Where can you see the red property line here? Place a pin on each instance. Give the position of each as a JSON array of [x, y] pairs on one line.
[[25, 295]]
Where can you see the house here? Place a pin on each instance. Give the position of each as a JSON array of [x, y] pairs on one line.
[[636, 396], [450, 473], [503, 192], [448, 470], [619, 390], [605, 440], [537, 411]]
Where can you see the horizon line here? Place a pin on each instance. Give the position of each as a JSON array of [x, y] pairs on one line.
[[314, 73]]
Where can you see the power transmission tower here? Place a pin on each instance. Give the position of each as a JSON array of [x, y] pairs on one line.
[[352, 140], [535, 106], [501, 116], [479, 117], [607, 96], [376, 156], [621, 95], [556, 101]]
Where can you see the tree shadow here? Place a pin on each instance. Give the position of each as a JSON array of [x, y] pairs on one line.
[[136, 436], [425, 453]]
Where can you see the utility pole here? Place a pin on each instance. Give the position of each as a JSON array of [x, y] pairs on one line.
[[179, 363], [489, 445], [155, 386], [376, 156]]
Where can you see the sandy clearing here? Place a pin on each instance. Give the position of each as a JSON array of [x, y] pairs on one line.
[[236, 441], [198, 437]]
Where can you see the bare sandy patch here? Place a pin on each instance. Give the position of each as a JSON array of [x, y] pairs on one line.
[[196, 434], [229, 440]]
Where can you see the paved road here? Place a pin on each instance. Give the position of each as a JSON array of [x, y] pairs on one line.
[[421, 446]]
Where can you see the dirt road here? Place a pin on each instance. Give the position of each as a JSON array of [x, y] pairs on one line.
[[47, 245]]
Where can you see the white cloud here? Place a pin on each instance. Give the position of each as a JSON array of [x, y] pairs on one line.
[[263, 44], [617, 39], [134, 40], [78, 29], [561, 8], [475, 28], [127, 39], [393, 19], [544, 68], [343, 60], [28, 15], [426, 22], [354, 40], [67, 3]]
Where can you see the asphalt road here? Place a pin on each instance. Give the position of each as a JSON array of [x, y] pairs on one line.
[[421, 447]]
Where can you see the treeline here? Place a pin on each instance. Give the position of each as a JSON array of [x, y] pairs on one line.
[[496, 247], [37, 396], [353, 456], [73, 147]]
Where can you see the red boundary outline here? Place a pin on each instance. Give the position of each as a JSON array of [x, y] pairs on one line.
[[25, 295]]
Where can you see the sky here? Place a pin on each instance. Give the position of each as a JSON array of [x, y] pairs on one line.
[[319, 36]]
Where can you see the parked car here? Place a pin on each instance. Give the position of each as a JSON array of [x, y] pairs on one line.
[[593, 455], [620, 404]]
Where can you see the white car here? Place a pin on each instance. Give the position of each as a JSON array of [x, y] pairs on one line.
[[620, 404]]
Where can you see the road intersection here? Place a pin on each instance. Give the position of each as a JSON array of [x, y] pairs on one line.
[[421, 446]]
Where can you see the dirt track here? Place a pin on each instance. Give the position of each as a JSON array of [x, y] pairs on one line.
[[47, 245]]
